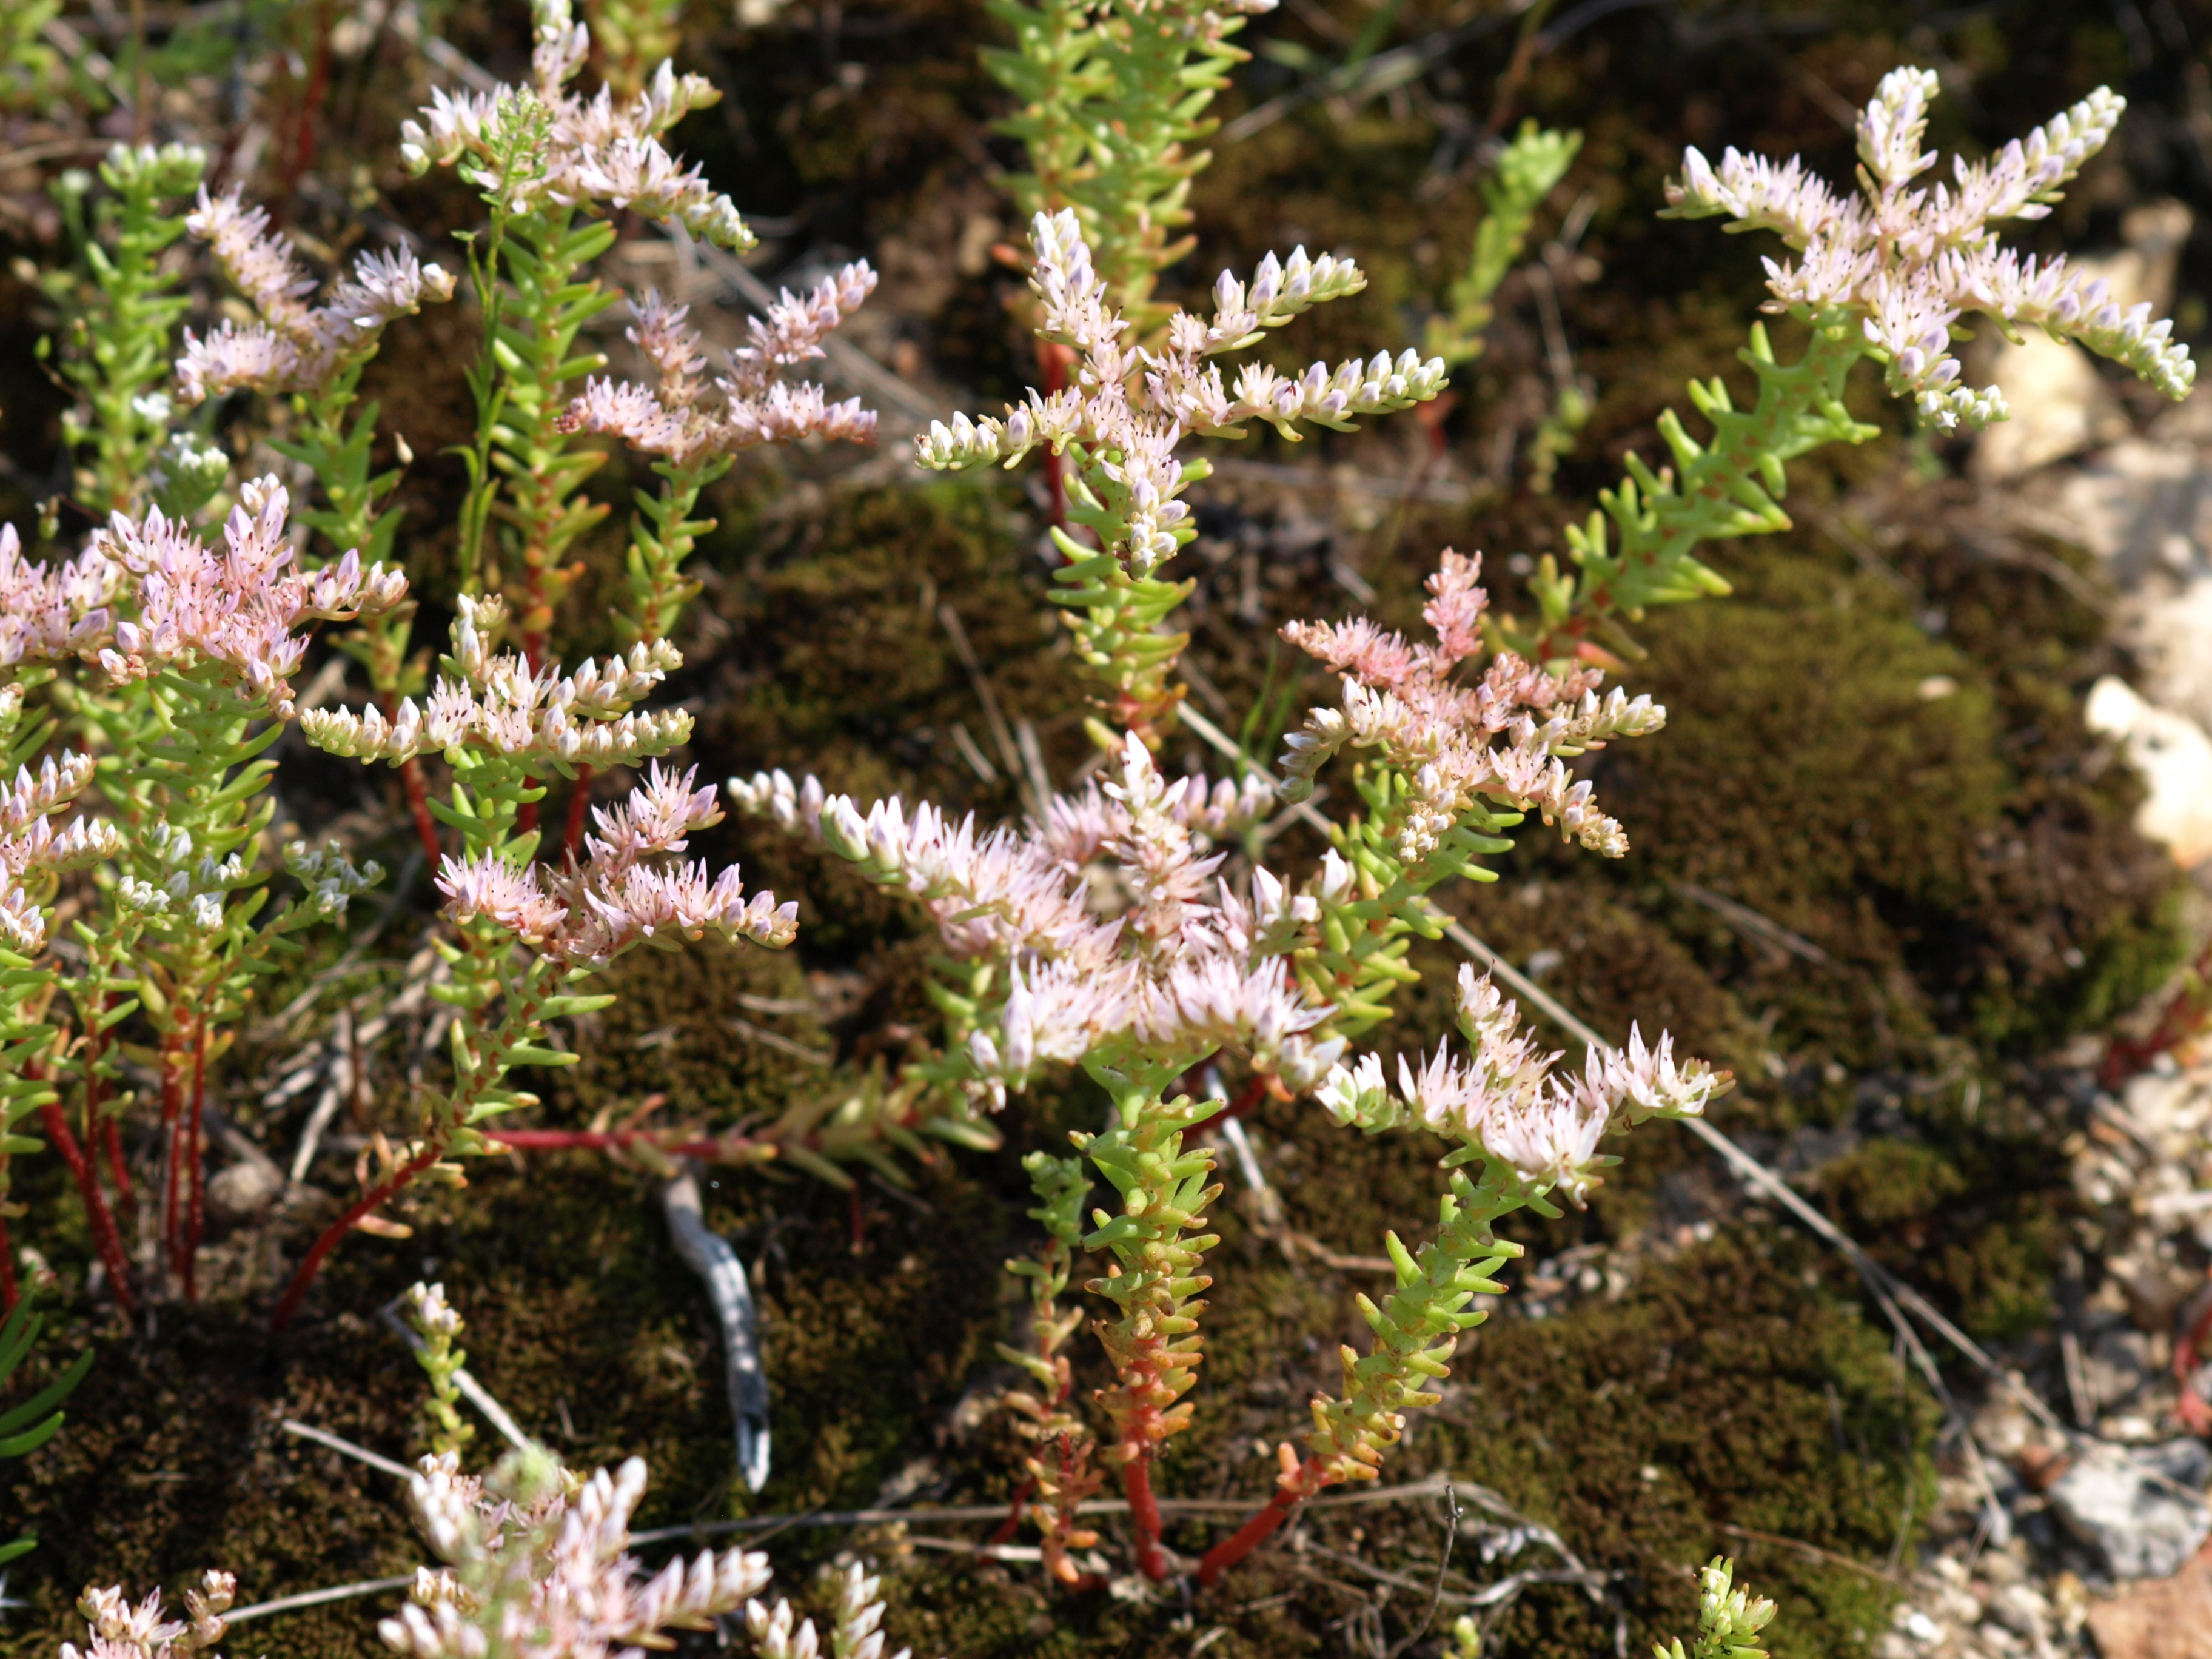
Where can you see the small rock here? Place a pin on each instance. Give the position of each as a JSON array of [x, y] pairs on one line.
[[1919, 1626], [240, 1191], [2170, 1619], [2174, 756], [2140, 1513]]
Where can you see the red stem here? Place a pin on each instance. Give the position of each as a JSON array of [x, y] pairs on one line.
[[311, 101], [2181, 1016], [1051, 369], [172, 1108], [7, 1268], [526, 816], [1012, 1523], [579, 802], [104, 1131], [304, 1275], [1145, 1512], [104, 1238], [1246, 1538], [111, 1138], [417, 794]]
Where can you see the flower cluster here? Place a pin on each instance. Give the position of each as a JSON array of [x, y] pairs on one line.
[[1187, 965], [756, 407], [545, 145], [31, 847], [1906, 261], [537, 1566], [1121, 425], [292, 346], [586, 915], [48, 612], [1505, 1096], [119, 1630], [1501, 737], [494, 703], [1130, 407], [235, 608]]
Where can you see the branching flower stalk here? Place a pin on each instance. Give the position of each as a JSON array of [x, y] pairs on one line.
[[315, 354], [551, 164], [1885, 274], [1191, 965], [1121, 426], [213, 645], [500, 724], [696, 435]]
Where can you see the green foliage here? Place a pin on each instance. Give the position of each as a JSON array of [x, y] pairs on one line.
[[1729, 1619], [26, 1427], [1729, 486], [1527, 168], [533, 334], [1156, 1280], [26, 63], [122, 314], [1113, 99], [663, 534], [629, 38], [439, 1326]]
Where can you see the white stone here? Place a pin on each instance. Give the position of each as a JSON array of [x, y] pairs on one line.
[[2174, 755]]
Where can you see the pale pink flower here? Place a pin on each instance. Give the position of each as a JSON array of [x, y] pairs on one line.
[[235, 607], [585, 914], [1499, 739], [1907, 260], [754, 407], [292, 346], [1130, 408], [597, 153]]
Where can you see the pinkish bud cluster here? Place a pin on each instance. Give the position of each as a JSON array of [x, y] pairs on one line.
[[755, 407], [538, 1567], [1131, 407], [1505, 1095], [588, 913], [498, 703], [292, 346], [31, 846], [120, 1631], [48, 612], [1908, 261], [589, 153], [1502, 737], [235, 607]]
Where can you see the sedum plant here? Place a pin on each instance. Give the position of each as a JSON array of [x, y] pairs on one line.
[[1121, 427], [1114, 99], [1284, 977], [551, 165], [499, 724], [1885, 274], [313, 355], [115, 348], [1526, 172]]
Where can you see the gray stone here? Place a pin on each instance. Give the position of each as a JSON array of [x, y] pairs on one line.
[[2140, 1513]]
